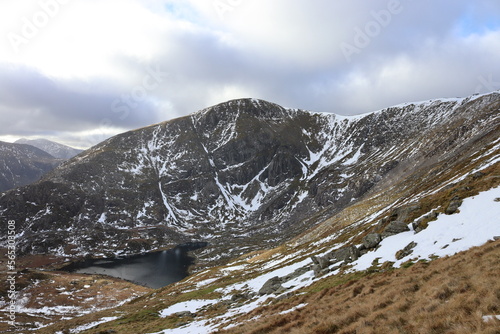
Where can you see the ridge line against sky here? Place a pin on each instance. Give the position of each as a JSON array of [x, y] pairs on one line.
[[80, 71]]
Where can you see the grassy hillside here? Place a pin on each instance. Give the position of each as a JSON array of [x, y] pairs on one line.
[[454, 294], [448, 295]]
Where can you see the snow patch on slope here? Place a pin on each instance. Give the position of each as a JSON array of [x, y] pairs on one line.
[[477, 222]]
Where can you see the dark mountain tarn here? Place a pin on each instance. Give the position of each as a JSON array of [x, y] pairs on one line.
[[154, 270]]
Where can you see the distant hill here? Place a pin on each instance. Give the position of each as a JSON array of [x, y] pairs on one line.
[[57, 150], [22, 164]]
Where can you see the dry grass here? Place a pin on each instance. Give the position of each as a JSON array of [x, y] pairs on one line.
[[447, 295], [82, 293]]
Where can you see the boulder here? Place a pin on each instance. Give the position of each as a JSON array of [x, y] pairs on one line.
[[320, 261], [395, 227], [273, 285], [381, 223], [453, 206], [346, 254], [403, 212], [372, 240], [321, 264], [185, 314], [317, 270], [240, 297]]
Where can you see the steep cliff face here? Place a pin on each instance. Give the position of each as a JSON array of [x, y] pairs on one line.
[[241, 175], [23, 164]]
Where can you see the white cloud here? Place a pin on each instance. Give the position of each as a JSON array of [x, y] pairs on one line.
[[91, 53], [84, 38]]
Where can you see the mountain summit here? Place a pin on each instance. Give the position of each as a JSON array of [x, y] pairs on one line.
[[242, 175]]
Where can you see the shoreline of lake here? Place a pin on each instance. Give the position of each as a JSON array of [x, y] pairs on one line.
[[154, 270]]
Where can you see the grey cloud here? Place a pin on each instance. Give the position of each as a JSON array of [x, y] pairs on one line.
[[30, 100]]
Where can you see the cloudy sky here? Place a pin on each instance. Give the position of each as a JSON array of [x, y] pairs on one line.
[[79, 71]]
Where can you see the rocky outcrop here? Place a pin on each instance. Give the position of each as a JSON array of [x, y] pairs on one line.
[[402, 213], [453, 206], [406, 251], [339, 258], [371, 240], [273, 285], [345, 255], [422, 222]]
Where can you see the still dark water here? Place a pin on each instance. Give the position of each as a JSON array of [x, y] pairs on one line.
[[151, 269]]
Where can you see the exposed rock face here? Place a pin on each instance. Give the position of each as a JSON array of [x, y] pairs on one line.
[[241, 175], [274, 284], [346, 254], [23, 164]]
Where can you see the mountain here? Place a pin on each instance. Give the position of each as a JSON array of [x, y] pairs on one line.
[[57, 150], [23, 164], [26, 161], [415, 250], [245, 175]]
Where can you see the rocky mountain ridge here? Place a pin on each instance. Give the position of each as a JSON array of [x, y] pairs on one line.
[[242, 175]]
